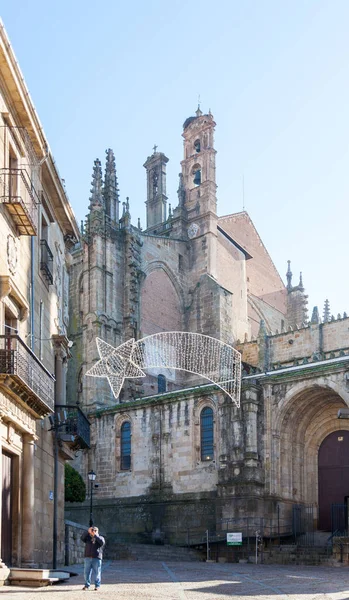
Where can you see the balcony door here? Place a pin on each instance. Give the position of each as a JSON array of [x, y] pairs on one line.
[[13, 164], [7, 503]]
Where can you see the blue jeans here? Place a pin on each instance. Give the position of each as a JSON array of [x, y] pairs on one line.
[[92, 565]]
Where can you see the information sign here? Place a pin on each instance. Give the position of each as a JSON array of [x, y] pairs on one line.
[[234, 539]]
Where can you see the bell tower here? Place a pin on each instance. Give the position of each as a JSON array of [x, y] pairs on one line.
[[199, 183], [155, 166], [199, 164]]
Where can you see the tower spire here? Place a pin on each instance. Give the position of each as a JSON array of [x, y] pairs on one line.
[[110, 190], [96, 198]]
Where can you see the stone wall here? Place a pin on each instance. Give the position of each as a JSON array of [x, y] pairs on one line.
[[313, 342], [74, 547]]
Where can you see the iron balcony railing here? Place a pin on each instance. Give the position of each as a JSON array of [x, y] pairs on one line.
[[46, 261], [25, 376], [75, 428], [17, 193]]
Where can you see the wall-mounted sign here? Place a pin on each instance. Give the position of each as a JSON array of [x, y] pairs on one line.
[[234, 539]]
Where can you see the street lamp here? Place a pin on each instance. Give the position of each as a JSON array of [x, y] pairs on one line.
[[92, 476]]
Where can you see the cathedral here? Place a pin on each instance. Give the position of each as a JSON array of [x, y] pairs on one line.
[[173, 455]]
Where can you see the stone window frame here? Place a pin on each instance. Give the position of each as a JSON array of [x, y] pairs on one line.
[[120, 420], [198, 407], [211, 428]]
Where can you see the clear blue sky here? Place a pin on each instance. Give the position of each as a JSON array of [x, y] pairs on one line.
[[275, 75]]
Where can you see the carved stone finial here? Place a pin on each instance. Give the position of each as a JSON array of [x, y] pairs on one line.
[[315, 318], [300, 285], [289, 275], [181, 191]]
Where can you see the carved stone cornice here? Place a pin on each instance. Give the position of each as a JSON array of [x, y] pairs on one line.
[[9, 288], [11, 412]]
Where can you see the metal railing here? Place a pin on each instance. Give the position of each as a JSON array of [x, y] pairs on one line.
[[272, 528], [20, 197], [76, 425], [46, 261], [20, 364]]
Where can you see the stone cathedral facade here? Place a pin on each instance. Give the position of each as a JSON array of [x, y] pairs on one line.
[[173, 452]]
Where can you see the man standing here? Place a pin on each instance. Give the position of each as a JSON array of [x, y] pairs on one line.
[[94, 544]]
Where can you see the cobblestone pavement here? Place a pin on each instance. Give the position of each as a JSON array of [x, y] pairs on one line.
[[125, 580]]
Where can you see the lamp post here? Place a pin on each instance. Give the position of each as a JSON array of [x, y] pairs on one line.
[[92, 476]]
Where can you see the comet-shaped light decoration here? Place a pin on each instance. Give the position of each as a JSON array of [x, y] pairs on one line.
[[192, 352]]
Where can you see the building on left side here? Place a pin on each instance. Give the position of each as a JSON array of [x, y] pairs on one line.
[[37, 227]]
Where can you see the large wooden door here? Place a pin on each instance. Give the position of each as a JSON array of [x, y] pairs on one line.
[[6, 515], [333, 475]]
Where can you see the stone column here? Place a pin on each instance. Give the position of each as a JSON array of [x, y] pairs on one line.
[[59, 374], [4, 570], [62, 354], [28, 525], [250, 407]]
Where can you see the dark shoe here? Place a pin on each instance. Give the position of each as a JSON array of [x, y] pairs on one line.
[[96, 589], [85, 587]]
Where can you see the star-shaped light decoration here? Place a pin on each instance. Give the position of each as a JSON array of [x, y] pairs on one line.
[[115, 364]]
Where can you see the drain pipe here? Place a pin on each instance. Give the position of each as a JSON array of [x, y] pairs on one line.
[[32, 258], [32, 255]]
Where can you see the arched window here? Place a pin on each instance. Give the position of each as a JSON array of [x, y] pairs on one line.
[[206, 432], [196, 171], [125, 449], [161, 384], [197, 145]]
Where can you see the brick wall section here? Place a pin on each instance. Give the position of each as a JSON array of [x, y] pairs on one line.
[[231, 274], [160, 305], [262, 277]]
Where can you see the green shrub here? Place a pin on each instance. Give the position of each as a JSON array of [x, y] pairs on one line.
[[75, 488]]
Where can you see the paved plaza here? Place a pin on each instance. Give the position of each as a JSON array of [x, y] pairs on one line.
[[198, 581]]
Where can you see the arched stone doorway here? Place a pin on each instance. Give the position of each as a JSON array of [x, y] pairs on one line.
[[333, 474], [306, 414]]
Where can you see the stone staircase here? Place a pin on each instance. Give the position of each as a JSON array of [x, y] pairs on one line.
[[151, 552], [318, 554], [297, 555]]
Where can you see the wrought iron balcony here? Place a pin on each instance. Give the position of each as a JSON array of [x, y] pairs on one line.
[[18, 195], [75, 428], [46, 261], [24, 376]]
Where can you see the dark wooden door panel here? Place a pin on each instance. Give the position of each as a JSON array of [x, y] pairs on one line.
[[333, 475], [6, 516]]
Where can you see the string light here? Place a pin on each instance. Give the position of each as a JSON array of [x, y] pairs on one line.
[[191, 352]]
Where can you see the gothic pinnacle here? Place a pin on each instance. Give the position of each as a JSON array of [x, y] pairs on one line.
[[96, 198], [300, 285], [326, 314], [110, 190]]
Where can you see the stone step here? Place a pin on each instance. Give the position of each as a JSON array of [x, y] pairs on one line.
[[36, 577], [33, 582]]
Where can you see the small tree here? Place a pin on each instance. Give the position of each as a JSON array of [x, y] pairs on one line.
[[75, 488]]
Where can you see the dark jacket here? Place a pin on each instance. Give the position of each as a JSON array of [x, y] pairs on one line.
[[93, 545]]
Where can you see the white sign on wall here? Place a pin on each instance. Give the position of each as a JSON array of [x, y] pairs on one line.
[[234, 539]]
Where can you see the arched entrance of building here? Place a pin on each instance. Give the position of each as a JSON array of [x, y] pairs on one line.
[[306, 417], [333, 474]]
